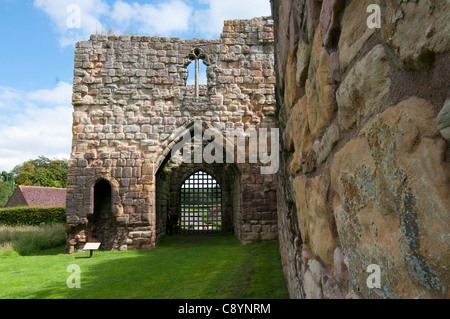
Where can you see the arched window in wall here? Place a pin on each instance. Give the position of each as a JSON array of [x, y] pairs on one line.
[[202, 79], [197, 70]]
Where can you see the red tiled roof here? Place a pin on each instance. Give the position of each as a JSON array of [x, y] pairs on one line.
[[43, 196]]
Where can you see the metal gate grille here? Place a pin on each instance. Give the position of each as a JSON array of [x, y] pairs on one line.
[[201, 199]]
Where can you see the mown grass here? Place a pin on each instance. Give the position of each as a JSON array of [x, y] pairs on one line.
[[201, 267]]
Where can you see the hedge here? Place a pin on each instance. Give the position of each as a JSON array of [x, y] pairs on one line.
[[36, 215]]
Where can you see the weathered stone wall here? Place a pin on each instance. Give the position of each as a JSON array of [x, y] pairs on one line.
[[131, 102], [162, 202], [365, 168]]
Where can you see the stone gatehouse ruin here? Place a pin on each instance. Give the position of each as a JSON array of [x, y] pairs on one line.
[[131, 102]]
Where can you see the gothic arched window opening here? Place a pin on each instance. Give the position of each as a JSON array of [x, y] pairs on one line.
[[197, 69]]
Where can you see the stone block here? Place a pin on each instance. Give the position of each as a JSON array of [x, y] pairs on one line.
[[371, 75], [303, 59], [329, 20], [313, 218], [319, 89], [397, 156], [131, 129], [328, 142], [443, 120], [311, 288], [331, 289], [300, 135], [354, 32], [416, 48], [127, 172]]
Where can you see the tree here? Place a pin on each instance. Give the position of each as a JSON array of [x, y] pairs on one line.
[[6, 187], [41, 172], [24, 174]]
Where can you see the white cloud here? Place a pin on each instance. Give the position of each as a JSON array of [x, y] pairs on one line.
[[35, 123], [7, 97], [91, 11], [123, 12], [61, 94], [210, 21], [165, 18], [96, 16]]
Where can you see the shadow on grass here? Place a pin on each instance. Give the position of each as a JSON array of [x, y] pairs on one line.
[[207, 267]]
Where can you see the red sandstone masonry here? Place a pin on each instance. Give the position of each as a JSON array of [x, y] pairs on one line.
[[364, 168]]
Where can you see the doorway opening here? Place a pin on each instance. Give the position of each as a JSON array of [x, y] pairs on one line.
[[201, 205], [101, 223]]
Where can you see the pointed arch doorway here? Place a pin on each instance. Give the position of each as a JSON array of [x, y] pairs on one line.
[[182, 181], [200, 205]]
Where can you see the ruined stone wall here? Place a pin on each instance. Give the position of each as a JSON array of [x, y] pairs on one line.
[[365, 167], [162, 202], [131, 102]]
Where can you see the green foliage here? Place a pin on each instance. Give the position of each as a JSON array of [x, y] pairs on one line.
[[38, 172], [7, 177], [6, 187], [32, 215], [26, 240], [41, 172]]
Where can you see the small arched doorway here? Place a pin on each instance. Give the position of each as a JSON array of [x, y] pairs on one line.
[[201, 205], [101, 223], [102, 200]]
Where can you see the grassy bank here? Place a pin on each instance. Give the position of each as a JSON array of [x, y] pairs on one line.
[[180, 267], [25, 240]]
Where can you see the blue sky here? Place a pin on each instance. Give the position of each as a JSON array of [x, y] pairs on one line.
[[37, 50]]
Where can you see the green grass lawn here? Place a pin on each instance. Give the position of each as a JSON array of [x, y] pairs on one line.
[[212, 267]]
